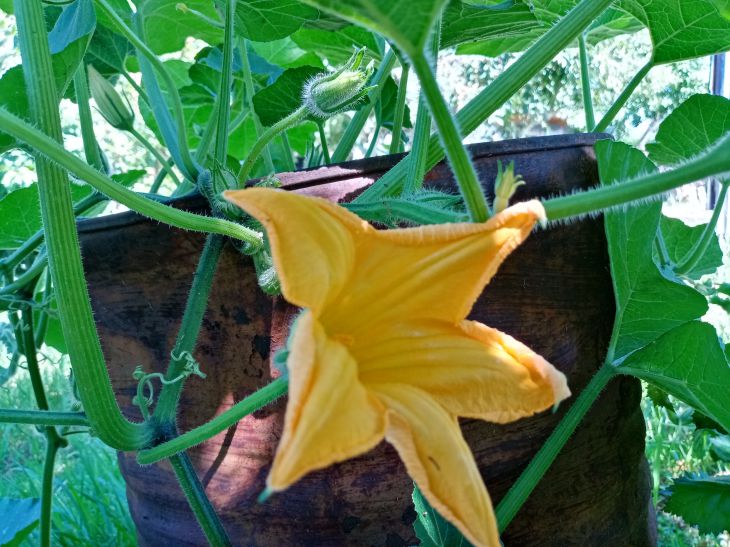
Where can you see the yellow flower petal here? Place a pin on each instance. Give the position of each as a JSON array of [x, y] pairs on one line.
[[330, 417], [429, 442], [471, 369], [311, 242], [427, 272]]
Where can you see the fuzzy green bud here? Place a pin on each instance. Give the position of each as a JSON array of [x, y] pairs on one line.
[[505, 186], [328, 94], [110, 104]]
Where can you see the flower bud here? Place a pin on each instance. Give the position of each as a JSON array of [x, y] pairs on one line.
[[505, 186], [328, 94], [110, 104]]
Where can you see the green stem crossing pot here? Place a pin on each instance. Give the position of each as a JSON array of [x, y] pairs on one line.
[[554, 294]]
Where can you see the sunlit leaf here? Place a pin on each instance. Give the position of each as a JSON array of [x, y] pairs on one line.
[[681, 29], [648, 303], [108, 51], [266, 20], [702, 502], [463, 23], [408, 24], [690, 129], [167, 26], [687, 362], [76, 21], [337, 47], [284, 53]]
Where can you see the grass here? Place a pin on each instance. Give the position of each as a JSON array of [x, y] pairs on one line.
[[89, 504]]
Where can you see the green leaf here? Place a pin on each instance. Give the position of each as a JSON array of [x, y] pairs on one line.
[[167, 26], [431, 528], [723, 6], [6, 6], [267, 20], [648, 304], [613, 22], [385, 108], [12, 84], [108, 51], [680, 239], [704, 503], [463, 23], [284, 53], [500, 46], [690, 129], [284, 96], [687, 362], [408, 24], [19, 518], [720, 446], [337, 47], [76, 21], [681, 29]]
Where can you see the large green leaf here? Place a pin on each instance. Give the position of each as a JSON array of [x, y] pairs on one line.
[[284, 96], [723, 6], [690, 129], [681, 29], [463, 23], [680, 239], [612, 22], [108, 51], [648, 304], [702, 502], [76, 21], [408, 24], [689, 363], [284, 53], [19, 518], [167, 26], [385, 107], [267, 20], [431, 528], [337, 47]]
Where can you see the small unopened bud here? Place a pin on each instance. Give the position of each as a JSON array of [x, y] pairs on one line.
[[328, 94], [505, 186], [110, 104]]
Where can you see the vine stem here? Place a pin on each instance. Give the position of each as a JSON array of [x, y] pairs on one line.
[[374, 140], [224, 90], [59, 223], [623, 98], [26, 133], [541, 462], [400, 107], [91, 146], [187, 336], [42, 417], [492, 97], [200, 504], [714, 162], [421, 133], [323, 141], [354, 128], [282, 125], [29, 276], [700, 247], [240, 410], [248, 92], [461, 165], [585, 79]]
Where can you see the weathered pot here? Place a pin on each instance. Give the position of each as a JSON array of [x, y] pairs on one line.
[[554, 294]]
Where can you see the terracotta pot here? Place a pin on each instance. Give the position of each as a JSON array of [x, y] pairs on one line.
[[554, 294]]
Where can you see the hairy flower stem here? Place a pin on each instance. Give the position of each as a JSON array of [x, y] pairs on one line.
[[541, 462], [200, 504], [187, 336], [91, 146], [696, 253], [461, 165], [492, 97], [714, 162], [59, 223], [237, 412], [279, 127], [623, 98], [49, 148], [585, 80]]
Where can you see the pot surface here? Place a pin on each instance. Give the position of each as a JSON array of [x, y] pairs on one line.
[[554, 294]]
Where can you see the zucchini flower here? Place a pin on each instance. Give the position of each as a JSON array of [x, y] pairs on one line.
[[327, 94], [110, 104], [382, 349]]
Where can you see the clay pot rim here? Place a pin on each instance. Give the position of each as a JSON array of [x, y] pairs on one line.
[[328, 174]]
